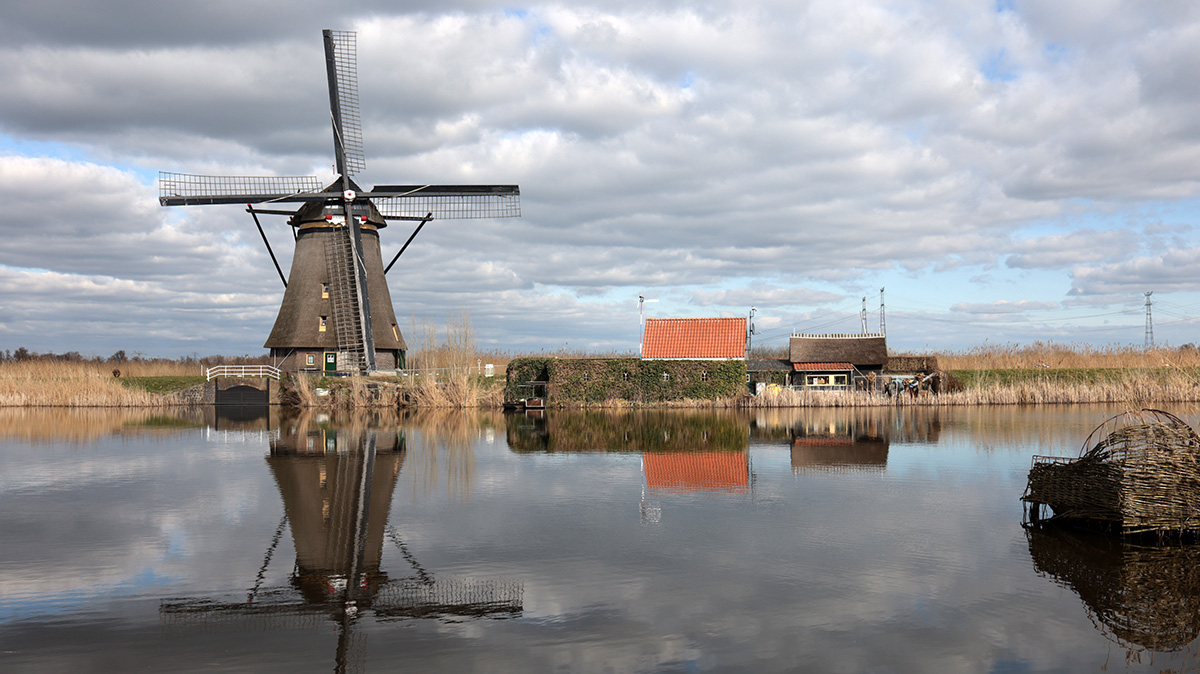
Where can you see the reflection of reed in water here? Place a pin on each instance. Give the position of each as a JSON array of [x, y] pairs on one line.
[[1137, 596], [443, 448], [86, 424], [903, 424]]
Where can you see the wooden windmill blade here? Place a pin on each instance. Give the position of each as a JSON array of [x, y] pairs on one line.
[[185, 189], [447, 202]]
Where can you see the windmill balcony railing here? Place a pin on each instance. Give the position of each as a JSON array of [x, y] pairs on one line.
[[242, 371]]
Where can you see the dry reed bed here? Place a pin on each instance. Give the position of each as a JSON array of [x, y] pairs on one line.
[[1066, 356], [79, 389], [1132, 388], [460, 391], [41, 383]]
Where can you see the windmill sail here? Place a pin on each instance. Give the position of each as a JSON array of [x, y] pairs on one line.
[[347, 269], [341, 66], [183, 189], [448, 202]]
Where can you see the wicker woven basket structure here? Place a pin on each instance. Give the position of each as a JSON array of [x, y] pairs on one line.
[[1137, 473]]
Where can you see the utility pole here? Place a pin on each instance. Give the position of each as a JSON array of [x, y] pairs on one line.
[[1149, 323], [882, 317]]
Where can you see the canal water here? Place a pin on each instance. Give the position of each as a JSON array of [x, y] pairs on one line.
[[653, 541]]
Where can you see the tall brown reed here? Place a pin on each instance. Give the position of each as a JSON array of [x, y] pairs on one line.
[[1066, 356], [63, 384]]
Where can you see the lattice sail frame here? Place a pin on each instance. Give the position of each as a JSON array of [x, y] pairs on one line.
[[345, 62], [186, 188], [449, 202]]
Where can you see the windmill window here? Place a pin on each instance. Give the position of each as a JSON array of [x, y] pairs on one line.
[[395, 332], [324, 291], [324, 322]]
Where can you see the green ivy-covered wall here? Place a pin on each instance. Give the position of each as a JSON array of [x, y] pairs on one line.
[[576, 381]]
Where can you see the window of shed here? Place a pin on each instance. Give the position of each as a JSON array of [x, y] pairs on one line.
[[704, 376], [310, 359], [666, 377]]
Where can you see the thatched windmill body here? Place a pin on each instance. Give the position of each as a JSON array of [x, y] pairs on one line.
[[337, 311]]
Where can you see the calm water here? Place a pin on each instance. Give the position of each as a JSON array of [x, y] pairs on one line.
[[797, 540]]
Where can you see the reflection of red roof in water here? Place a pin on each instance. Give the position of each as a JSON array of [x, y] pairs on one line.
[[697, 471]]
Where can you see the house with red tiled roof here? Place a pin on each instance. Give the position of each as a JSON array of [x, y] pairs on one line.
[[694, 339]]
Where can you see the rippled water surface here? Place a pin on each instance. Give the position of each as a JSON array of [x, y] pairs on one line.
[[794, 540]]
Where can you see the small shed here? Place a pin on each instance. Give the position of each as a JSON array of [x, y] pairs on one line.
[[836, 361]]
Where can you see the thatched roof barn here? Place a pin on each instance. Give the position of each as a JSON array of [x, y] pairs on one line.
[[864, 352]]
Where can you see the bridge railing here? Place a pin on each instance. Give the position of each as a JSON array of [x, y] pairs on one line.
[[242, 371]]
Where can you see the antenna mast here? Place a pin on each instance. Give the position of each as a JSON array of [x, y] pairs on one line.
[[882, 316], [862, 315], [1149, 323]]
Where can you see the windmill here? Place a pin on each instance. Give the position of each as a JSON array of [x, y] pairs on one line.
[[336, 312]]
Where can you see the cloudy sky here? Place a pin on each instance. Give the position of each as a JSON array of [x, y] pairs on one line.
[[1009, 171]]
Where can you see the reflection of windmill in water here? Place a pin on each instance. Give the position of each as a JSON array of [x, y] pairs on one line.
[[336, 311], [337, 488]]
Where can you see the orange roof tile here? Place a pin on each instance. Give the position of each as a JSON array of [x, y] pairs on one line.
[[694, 338]]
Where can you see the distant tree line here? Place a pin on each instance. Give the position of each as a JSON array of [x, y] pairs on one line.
[[24, 354]]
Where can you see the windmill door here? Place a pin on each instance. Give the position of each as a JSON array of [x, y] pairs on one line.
[[331, 361]]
